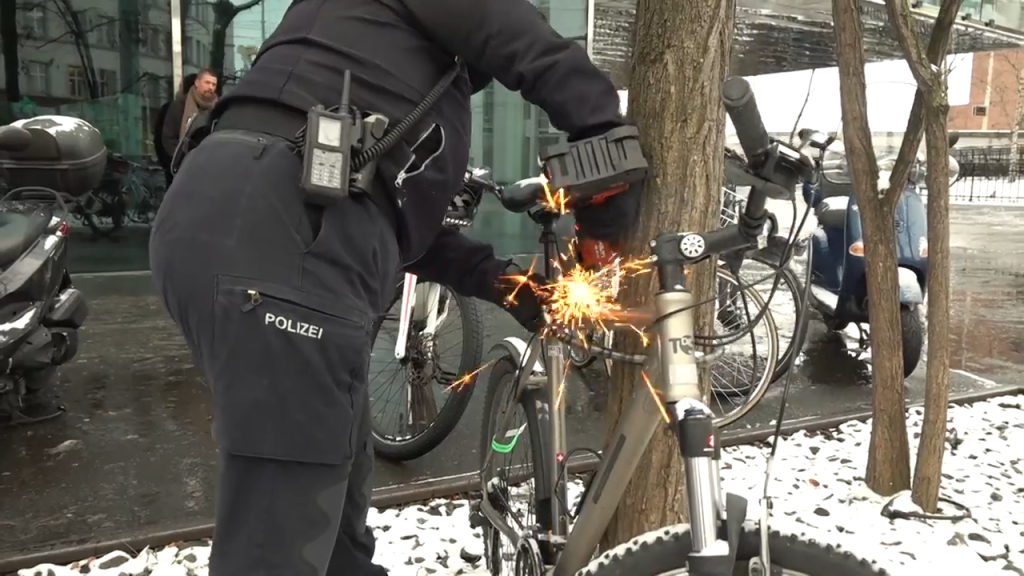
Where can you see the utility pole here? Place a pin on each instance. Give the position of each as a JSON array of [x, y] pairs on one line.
[[263, 22]]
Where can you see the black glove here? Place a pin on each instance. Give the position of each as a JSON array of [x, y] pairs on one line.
[[610, 220], [520, 300]]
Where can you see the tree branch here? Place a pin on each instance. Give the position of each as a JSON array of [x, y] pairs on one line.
[[245, 6], [901, 18], [938, 46]]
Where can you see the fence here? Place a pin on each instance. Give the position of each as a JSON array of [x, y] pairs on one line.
[[985, 176]]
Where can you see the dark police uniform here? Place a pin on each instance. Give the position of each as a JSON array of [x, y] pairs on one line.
[[276, 298]]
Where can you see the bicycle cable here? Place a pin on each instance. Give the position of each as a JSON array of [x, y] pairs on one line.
[[784, 259]]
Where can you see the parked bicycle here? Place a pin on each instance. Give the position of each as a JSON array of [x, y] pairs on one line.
[[717, 542], [128, 192], [433, 339]]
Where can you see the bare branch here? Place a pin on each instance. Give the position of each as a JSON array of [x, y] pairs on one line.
[[800, 115], [245, 6], [938, 46], [902, 19]]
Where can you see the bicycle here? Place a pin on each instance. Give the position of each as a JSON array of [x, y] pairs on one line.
[[716, 541], [424, 308]]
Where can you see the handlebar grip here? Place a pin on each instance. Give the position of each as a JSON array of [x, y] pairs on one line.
[[739, 102]]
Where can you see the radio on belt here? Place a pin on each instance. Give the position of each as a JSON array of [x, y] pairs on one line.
[[330, 141], [591, 170]]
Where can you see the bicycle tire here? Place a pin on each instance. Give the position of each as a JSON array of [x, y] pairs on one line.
[[401, 450], [665, 550], [792, 283], [757, 390], [495, 398]]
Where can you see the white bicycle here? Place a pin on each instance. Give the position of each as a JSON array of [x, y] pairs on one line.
[[423, 347]]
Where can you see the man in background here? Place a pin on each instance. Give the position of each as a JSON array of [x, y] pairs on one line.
[[163, 156], [201, 95]]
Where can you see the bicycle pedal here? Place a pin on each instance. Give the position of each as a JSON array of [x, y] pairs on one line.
[[476, 516]]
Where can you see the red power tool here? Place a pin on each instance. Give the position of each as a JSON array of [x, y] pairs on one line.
[[590, 171]]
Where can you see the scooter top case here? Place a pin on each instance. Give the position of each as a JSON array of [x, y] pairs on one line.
[[66, 155]]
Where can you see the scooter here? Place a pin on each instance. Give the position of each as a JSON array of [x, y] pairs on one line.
[[837, 245], [40, 310]]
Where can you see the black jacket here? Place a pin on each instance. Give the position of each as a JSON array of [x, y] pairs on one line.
[[170, 130], [397, 50]]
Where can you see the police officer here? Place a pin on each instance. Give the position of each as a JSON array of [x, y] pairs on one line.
[[276, 296]]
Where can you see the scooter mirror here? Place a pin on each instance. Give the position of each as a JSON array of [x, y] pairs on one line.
[[818, 140], [954, 137]]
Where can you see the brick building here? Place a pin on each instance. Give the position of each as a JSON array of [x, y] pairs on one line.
[[993, 96]]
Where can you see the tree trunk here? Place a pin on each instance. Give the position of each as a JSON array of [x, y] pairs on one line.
[[680, 60], [1018, 118], [888, 469], [932, 446], [9, 36]]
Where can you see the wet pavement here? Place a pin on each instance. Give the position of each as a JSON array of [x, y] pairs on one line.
[[134, 450]]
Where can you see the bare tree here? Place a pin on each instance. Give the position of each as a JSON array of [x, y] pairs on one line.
[[888, 469], [931, 85], [73, 22], [682, 47], [224, 12]]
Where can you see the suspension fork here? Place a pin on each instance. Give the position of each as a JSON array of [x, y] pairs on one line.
[[556, 491], [405, 314]]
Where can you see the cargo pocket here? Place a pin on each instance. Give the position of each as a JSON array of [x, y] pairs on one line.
[[427, 147], [284, 371]]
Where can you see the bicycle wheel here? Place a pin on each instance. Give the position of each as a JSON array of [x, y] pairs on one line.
[[511, 486], [664, 551], [785, 305], [418, 387], [746, 366]]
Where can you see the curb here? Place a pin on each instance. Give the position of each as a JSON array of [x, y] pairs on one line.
[[447, 486]]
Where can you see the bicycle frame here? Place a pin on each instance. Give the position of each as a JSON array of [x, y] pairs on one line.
[[679, 389]]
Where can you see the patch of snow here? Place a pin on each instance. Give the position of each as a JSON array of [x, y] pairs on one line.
[[817, 490]]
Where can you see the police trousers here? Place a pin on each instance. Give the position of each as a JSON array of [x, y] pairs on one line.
[[277, 301]]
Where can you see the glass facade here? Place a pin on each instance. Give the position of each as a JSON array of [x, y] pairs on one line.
[[109, 62], [112, 62]]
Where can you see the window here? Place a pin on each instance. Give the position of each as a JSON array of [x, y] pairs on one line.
[[980, 111], [77, 85], [37, 78], [108, 82], [34, 23]]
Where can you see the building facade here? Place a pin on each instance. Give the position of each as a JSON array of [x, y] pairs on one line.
[[997, 80]]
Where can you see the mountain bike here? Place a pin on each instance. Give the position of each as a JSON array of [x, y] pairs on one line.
[[429, 390], [716, 542]]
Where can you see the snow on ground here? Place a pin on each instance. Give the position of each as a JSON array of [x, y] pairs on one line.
[[817, 492]]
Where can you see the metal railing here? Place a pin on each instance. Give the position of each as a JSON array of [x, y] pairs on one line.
[[988, 175]]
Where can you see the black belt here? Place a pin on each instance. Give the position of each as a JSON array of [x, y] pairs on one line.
[[285, 122]]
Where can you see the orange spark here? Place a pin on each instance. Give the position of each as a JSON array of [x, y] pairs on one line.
[[553, 202], [657, 400], [465, 379]]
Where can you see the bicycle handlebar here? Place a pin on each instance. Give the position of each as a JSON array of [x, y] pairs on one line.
[[741, 106]]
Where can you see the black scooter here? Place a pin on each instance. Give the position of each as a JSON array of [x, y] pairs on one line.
[[40, 310]]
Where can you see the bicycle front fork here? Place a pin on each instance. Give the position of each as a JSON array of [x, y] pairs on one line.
[[716, 519]]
